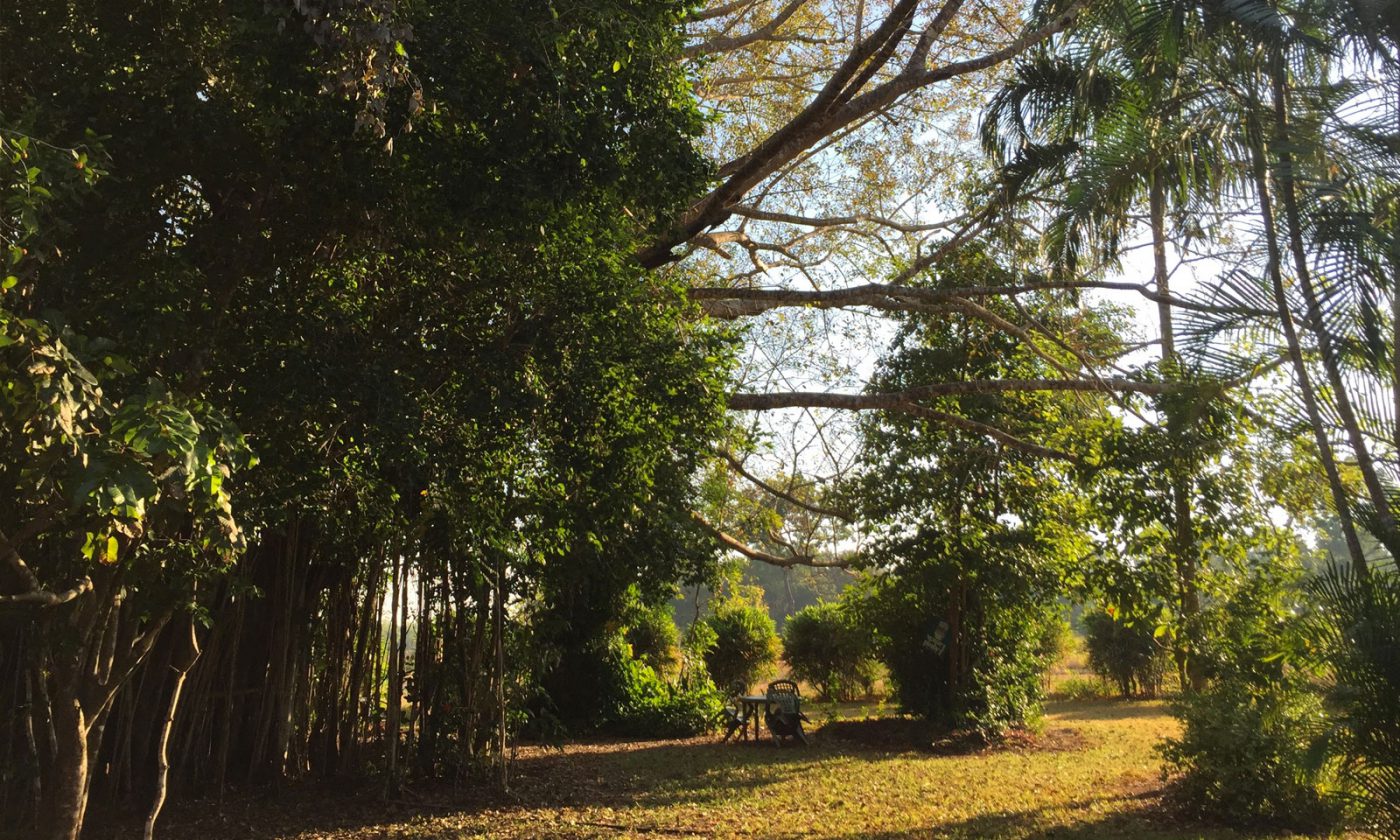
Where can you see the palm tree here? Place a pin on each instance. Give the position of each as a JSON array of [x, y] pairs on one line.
[[1111, 113]]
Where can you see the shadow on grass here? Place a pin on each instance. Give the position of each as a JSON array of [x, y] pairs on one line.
[[695, 774]]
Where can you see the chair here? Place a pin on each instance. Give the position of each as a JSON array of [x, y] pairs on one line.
[[783, 715], [732, 717]]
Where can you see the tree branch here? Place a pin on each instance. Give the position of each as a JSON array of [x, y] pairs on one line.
[[764, 556], [44, 598], [898, 400], [738, 303], [726, 43], [788, 497], [1003, 437]]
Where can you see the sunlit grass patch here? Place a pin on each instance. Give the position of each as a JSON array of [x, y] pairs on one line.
[[1091, 772]]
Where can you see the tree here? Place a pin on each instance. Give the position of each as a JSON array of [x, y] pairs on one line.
[[825, 646], [462, 389], [975, 535]]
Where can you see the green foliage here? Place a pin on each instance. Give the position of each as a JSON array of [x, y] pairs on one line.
[[1126, 653], [654, 638], [989, 680], [644, 705], [1356, 627], [745, 644], [1253, 747], [1246, 756], [1080, 688], [1056, 640], [141, 480], [826, 646], [972, 534]]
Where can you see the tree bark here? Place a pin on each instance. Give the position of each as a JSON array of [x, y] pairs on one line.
[[69, 788]]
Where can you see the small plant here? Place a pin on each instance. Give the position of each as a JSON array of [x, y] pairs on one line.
[[1085, 688]]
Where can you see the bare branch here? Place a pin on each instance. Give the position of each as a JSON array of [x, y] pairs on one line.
[[836, 221], [738, 467], [769, 558], [722, 10], [898, 400], [738, 303], [766, 32]]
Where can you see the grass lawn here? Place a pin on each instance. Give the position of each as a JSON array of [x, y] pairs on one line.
[[1092, 774]]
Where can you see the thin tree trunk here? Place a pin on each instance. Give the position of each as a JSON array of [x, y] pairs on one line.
[[1295, 352], [70, 771], [392, 703], [1183, 543], [187, 652], [1285, 175], [503, 771]]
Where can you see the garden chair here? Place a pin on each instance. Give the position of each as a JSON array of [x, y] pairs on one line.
[[732, 716], [784, 715]]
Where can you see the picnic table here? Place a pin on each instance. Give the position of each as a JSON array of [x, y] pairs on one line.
[[781, 701], [751, 705]]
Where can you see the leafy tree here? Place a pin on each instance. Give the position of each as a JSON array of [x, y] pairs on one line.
[[744, 646], [456, 378], [825, 646], [974, 518]]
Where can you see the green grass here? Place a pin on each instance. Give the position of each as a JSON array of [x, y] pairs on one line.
[[1092, 774]]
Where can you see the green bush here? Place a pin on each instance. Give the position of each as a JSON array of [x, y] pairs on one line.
[[825, 647], [1246, 756], [1079, 688], [1253, 747], [1125, 654], [655, 640], [744, 649], [650, 707]]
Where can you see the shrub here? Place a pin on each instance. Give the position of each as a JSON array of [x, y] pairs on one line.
[[1244, 756], [649, 707], [652, 633], [744, 649], [1252, 747], [1125, 654], [1080, 688], [826, 647]]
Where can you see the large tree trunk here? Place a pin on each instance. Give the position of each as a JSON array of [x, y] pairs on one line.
[[68, 802]]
